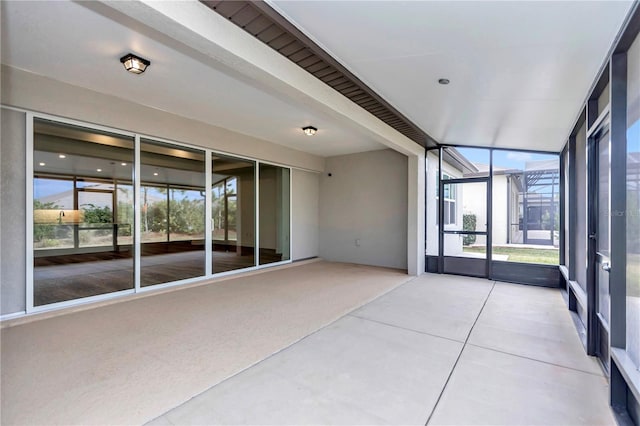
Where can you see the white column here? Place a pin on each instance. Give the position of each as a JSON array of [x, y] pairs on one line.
[[415, 212]]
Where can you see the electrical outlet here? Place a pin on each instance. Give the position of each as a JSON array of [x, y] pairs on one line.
[[357, 242]]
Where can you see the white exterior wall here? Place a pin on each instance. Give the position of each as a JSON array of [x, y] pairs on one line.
[[305, 215], [363, 209], [452, 243]]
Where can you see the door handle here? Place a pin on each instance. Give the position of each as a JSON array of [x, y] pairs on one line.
[[606, 267]]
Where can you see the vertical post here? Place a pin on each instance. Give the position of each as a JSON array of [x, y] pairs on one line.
[[426, 202], [29, 212], [573, 202], [509, 209], [256, 250], [225, 197], [489, 213], [76, 207], [137, 213], [114, 215], [618, 194], [416, 253], [290, 242], [440, 213], [168, 213], [561, 219], [592, 185], [553, 206], [525, 209], [208, 239]]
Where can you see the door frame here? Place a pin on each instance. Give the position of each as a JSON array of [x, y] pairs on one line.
[[462, 261], [595, 325], [442, 232]]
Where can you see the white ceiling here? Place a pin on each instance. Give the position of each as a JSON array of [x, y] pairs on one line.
[[519, 70], [76, 44]]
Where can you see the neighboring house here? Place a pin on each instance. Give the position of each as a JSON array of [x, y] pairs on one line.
[[525, 204], [454, 165]]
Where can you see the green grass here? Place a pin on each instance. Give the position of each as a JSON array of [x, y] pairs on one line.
[[524, 255]]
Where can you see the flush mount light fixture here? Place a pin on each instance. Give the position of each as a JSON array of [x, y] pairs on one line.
[[155, 173], [444, 81], [309, 130], [42, 164], [134, 64], [123, 164], [62, 156], [98, 170]]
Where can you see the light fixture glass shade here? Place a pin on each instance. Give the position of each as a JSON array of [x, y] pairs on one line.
[[134, 64], [309, 130]]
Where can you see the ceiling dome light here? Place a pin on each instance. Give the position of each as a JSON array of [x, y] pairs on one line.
[[309, 130], [62, 156], [134, 64], [444, 81]]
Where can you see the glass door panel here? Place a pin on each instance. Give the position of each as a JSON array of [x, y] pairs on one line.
[[233, 211], [274, 214], [76, 171], [172, 214]]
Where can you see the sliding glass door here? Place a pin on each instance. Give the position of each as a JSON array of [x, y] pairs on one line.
[[198, 213]]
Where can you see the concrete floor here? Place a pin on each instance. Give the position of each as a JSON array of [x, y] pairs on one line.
[[129, 362], [319, 343], [436, 350]]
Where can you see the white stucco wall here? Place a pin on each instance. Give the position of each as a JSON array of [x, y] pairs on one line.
[[452, 243], [305, 214], [363, 209]]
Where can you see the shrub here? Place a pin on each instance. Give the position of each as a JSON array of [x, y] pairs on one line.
[[469, 224]]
